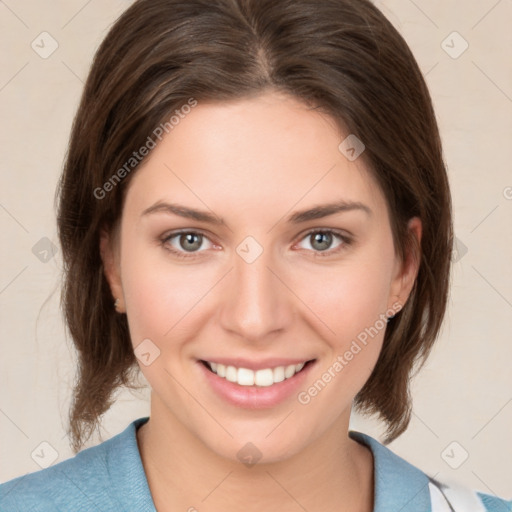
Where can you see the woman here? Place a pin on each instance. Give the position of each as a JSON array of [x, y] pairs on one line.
[[255, 212]]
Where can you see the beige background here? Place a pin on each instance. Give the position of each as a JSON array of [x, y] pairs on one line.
[[463, 395]]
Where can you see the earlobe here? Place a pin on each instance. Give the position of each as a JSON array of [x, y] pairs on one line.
[[111, 269]]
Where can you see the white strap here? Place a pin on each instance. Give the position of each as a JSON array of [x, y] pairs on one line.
[[460, 499], [439, 503]]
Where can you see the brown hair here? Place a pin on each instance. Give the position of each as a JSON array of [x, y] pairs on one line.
[[341, 56]]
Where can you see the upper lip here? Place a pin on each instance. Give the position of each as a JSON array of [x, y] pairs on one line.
[[257, 365]]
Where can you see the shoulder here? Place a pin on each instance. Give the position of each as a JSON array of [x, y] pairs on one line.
[[67, 485], [97, 478], [495, 504], [401, 486]]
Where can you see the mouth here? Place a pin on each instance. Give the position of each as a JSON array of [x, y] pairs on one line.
[[263, 377]]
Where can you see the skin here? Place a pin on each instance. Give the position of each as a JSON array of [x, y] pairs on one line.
[[253, 162]]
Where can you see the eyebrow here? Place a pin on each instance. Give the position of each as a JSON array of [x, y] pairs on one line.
[[324, 210], [316, 212]]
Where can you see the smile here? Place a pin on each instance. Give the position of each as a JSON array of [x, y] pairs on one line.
[[246, 377]]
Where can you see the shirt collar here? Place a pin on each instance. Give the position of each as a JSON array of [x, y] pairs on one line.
[[399, 486]]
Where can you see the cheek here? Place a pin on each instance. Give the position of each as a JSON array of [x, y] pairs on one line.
[[353, 307], [163, 305], [350, 303], [162, 299], [348, 298]]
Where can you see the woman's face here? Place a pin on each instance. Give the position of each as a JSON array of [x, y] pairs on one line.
[[263, 278]]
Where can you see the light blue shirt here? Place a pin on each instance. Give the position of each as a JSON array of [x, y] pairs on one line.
[[110, 477]]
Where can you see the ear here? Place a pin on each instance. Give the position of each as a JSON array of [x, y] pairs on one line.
[[109, 251], [406, 271]]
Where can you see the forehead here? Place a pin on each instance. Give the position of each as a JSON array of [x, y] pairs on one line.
[[271, 151]]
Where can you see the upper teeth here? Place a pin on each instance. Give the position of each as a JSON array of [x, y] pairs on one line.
[[246, 377]]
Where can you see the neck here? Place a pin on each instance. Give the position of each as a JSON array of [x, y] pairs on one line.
[[332, 473]]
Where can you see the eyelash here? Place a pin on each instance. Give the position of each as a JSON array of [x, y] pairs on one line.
[[346, 241]]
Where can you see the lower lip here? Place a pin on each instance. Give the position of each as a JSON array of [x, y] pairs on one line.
[[255, 397]]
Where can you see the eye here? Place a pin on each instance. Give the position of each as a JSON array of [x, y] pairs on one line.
[[185, 244], [321, 241]]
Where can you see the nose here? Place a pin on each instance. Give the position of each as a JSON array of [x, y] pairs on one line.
[[256, 302]]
